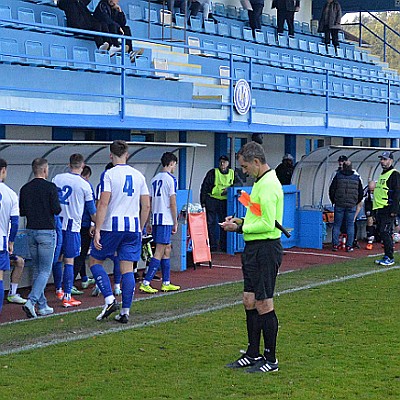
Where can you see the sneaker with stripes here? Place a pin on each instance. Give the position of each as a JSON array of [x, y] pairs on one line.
[[264, 366], [245, 361]]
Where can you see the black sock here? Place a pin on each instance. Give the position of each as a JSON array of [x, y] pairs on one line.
[[253, 333], [269, 327]]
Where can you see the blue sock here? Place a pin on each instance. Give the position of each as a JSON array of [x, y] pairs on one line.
[[128, 289], [1, 295], [102, 280], [57, 274], [117, 271], [166, 269], [153, 268], [68, 278]]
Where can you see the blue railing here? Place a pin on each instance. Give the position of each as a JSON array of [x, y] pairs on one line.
[[325, 90]]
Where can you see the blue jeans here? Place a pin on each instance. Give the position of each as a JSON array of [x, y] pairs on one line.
[[346, 214], [42, 244]]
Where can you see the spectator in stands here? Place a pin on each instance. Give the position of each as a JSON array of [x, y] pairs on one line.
[[213, 196], [182, 7], [255, 15], [285, 10], [109, 12], [39, 203], [79, 17], [87, 229], [9, 216], [386, 205], [196, 5], [284, 170], [18, 264], [329, 23], [345, 192], [164, 221]]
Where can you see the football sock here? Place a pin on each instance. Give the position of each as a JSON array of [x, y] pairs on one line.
[[166, 270], [128, 289], [57, 274], [1, 295], [117, 271], [124, 311], [153, 268], [13, 289], [269, 326], [68, 280], [102, 280], [253, 333]]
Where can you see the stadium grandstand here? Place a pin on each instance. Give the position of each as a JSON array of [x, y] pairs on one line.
[[207, 83]]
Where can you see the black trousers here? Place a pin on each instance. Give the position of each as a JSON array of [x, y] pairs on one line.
[[385, 224], [255, 17], [281, 17], [331, 34], [127, 32]]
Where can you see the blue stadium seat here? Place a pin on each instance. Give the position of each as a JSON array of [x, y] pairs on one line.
[[9, 51], [209, 46], [293, 82], [135, 12], [47, 18], [231, 11], [243, 15], [271, 38], [273, 20], [5, 14], [103, 61], [375, 93], [340, 52], [348, 90], [59, 56], [223, 50], [317, 63], [356, 72], [196, 24], [209, 27], [247, 34], [322, 49], [260, 38], [236, 31], [297, 61], [337, 89], [331, 51], [349, 53], [268, 80], [250, 52], [219, 9], [357, 90], [303, 45], [283, 40], [297, 26], [338, 68], [286, 60], [293, 43], [240, 73], [34, 53], [151, 16], [223, 29], [305, 84], [81, 59], [347, 71], [237, 49], [316, 86], [313, 47], [256, 80], [357, 55], [305, 27], [274, 58], [263, 54], [281, 82], [308, 64], [180, 20], [265, 19], [142, 66]]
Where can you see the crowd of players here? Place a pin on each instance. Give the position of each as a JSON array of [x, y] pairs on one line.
[[63, 222]]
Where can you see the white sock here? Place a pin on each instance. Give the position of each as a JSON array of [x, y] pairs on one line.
[[13, 289], [166, 283], [117, 286], [109, 299], [124, 311]]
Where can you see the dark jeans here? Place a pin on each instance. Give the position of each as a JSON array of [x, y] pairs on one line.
[[80, 261], [127, 32], [216, 212], [343, 214], [332, 34], [182, 6], [255, 17], [385, 225], [95, 25], [281, 17]]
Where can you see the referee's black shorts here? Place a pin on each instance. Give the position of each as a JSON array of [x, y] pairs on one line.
[[261, 260]]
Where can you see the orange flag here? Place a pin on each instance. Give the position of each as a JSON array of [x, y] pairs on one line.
[[255, 208]]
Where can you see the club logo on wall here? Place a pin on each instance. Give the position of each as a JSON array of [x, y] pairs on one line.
[[242, 97]]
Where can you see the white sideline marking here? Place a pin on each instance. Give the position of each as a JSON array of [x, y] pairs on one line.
[[189, 314], [334, 255]]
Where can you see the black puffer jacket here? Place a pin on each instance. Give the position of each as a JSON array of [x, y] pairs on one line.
[[346, 189]]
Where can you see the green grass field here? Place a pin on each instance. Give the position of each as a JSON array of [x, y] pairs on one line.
[[336, 341]]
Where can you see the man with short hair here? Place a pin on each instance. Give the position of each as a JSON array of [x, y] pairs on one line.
[[213, 196], [345, 192], [9, 216], [385, 204], [39, 203], [122, 212], [284, 170], [75, 194], [164, 223], [261, 259]]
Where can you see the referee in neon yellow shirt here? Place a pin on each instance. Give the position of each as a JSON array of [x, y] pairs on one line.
[[261, 258]]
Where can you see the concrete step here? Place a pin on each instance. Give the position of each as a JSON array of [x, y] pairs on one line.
[[184, 67], [207, 99], [204, 89]]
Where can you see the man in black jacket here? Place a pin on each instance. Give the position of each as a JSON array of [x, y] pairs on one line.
[[345, 192], [285, 10], [79, 17], [386, 205]]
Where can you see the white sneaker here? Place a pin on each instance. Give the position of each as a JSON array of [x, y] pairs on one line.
[[16, 298], [114, 50], [45, 311], [104, 46]]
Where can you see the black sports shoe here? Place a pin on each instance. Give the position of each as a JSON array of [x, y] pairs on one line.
[[108, 309], [245, 361], [264, 366], [122, 318]]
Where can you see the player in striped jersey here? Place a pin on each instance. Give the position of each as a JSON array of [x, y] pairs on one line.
[[122, 211], [164, 223], [9, 214], [74, 194]]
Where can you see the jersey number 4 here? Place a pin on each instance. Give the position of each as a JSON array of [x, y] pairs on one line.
[[128, 186]]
